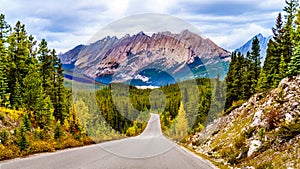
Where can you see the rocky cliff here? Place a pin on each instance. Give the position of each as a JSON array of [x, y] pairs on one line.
[[139, 56], [263, 132]]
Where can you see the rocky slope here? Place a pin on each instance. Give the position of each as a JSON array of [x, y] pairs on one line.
[[263, 132], [141, 58]]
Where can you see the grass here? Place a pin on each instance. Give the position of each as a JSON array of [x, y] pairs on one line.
[[217, 164]]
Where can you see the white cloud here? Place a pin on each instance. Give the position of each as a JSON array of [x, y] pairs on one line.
[[238, 36], [70, 22]]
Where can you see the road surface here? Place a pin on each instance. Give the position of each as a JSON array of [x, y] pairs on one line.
[[150, 150]]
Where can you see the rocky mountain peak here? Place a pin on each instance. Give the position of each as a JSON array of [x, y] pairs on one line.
[[122, 58]]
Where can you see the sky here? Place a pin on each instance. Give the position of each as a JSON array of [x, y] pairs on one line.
[[68, 23]]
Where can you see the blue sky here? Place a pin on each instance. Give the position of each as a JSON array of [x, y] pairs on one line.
[[67, 23]]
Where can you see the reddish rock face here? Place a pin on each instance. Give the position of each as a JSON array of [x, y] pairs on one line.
[[130, 54]]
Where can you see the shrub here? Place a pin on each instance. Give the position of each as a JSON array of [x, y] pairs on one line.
[[239, 142], [265, 165], [249, 133], [41, 146], [229, 154], [8, 152], [70, 142], [4, 136], [1, 116], [234, 105], [289, 131], [272, 119]]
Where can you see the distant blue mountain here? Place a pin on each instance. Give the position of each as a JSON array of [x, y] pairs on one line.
[[263, 41]]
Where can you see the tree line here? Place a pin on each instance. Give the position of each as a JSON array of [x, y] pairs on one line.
[[246, 76], [37, 111]]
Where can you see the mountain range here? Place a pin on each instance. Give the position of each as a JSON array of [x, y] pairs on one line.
[[144, 60], [159, 59], [263, 42]]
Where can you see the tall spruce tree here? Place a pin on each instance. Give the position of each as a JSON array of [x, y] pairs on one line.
[[253, 67], [288, 45], [230, 92], [59, 94], [18, 57], [46, 66], [271, 73], [294, 65], [4, 30]]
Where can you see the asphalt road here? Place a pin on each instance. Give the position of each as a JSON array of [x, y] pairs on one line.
[[150, 150]]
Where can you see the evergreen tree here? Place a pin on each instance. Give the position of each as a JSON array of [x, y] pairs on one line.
[[46, 67], [58, 130], [294, 65], [283, 67], [18, 58], [287, 41], [33, 91], [254, 67], [3, 73], [273, 57], [16, 98], [59, 94], [26, 122], [231, 75], [4, 29], [23, 141]]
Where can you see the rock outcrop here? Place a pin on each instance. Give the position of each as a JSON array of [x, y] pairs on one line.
[[264, 131]]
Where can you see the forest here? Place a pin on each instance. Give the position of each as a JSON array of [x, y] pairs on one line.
[[247, 76]]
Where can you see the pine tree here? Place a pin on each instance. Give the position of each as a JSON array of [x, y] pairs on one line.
[[283, 67], [58, 130], [294, 65], [230, 92], [26, 122], [16, 98], [23, 141], [46, 67], [4, 29], [254, 66], [59, 96], [288, 44], [273, 57], [19, 63], [262, 82], [33, 91], [3, 73]]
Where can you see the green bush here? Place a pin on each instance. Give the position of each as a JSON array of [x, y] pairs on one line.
[[229, 154], [290, 130], [41, 146], [249, 133], [4, 137]]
